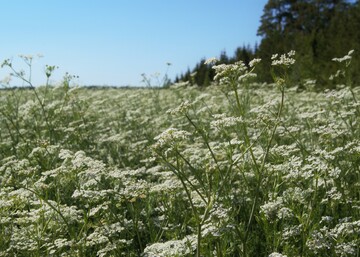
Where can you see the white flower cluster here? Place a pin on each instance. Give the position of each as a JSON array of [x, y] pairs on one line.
[[325, 238], [222, 122], [276, 210], [276, 254], [91, 182], [170, 136], [346, 57], [182, 108], [211, 60], [229, 70], [171, 248], [254, 62], [283, 60]]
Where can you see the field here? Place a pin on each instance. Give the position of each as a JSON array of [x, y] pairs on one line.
[[234, 169]]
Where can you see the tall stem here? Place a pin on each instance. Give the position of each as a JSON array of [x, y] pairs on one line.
[[42, 105], [261, 171]]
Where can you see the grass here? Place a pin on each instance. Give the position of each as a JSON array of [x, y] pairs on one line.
[[235, 169]]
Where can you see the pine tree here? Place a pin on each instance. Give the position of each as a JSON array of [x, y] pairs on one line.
[[302, 25]]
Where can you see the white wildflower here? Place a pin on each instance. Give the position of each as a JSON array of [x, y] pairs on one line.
[[291, 53], [246, 76], [326, 219], [297, 195], [65, 154], [276, 254], [347, 249], [168, 185], [319, 241], [105, 251], [229, 70], [96, 238], [337, 74], [346, 228], [344, 58], [332, 195], [180, 84], [253, 62], [182, 247], [98, 208], [285, 213], [291, 231], [221, 121], [284, 60], [274, 56], [193, 74], [272, 208], [236, 141], [211, 60], [170, 136], [209, 230], [61, 243], [182, 108]]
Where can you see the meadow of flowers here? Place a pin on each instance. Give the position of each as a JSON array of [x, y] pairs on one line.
[[235, 169]]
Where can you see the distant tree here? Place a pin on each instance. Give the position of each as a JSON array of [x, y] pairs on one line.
[[203, 75], [223, 57], [244, 53], [305, 26], [318, 30]]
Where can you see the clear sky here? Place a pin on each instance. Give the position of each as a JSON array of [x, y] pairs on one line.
[[112, 42]]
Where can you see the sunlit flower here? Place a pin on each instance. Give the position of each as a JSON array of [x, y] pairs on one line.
[[284, 60]]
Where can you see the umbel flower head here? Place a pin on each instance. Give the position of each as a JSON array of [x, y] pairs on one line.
[[284, 59], [211, 61], [234, 72], [229, 70], [182, 108], [169, 139], [237, 72], [344, 58]]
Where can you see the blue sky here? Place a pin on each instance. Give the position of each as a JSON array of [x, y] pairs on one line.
[[112, 42]]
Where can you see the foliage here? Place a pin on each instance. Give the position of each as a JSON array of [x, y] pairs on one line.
[[318, 31], [236, 169], [203, 75]]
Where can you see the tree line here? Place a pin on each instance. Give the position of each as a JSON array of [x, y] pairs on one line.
[[318, 30]]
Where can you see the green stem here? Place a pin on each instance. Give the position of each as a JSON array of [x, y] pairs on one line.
[[246, 135], [194, 171], [136, 226], [57, 210], [198, 250], [42, 106], [257, 192], [182, 177], [205, 138]]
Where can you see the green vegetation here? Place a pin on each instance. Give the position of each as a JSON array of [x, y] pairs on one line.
[[234, 169], [317, 30]]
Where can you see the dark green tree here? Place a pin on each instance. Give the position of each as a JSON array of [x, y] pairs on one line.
[[314, 28], [202, 74]]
